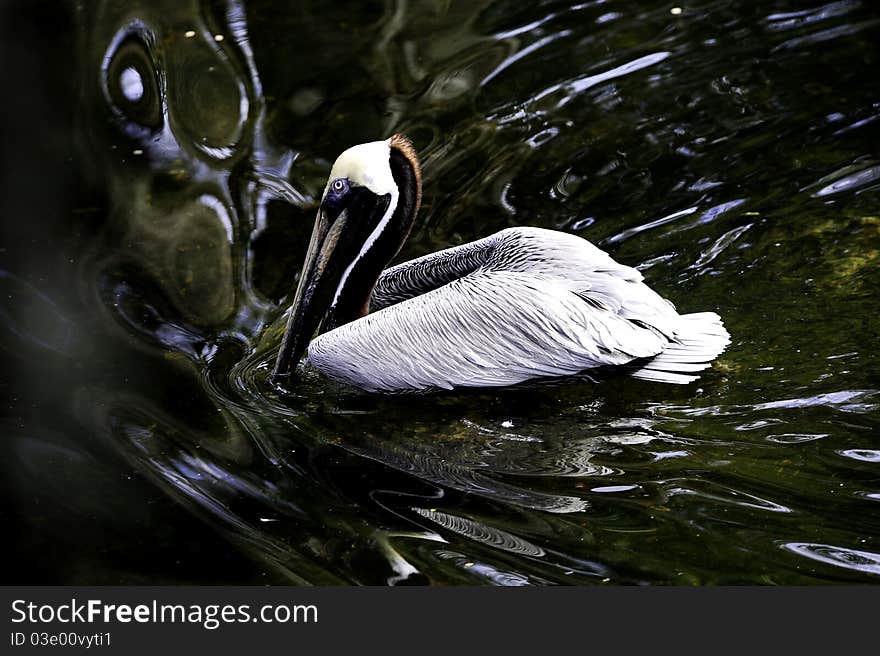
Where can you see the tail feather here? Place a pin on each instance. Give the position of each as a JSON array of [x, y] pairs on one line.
[[699, 339]]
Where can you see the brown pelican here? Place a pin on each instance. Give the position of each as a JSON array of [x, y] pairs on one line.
[[520, 304]]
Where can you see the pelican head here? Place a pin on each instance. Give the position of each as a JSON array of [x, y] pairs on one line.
[[366, 213]]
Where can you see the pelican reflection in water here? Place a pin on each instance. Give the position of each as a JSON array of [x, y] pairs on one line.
[[520, 304]]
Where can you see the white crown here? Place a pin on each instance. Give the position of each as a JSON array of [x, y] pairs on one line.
[[367, 165]]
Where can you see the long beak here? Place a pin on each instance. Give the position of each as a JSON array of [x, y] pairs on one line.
[[313, 294]]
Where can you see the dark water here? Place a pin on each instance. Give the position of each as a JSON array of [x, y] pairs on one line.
[[160, 166]]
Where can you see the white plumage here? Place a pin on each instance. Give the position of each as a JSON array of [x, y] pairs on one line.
[[520, 304], [367, 165]]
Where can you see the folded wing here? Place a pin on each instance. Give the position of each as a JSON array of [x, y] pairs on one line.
[[486, 329], [523, 303]]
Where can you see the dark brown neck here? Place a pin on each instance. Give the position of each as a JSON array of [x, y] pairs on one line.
[[353, 301]]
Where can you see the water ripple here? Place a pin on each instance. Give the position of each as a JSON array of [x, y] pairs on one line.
[[629, 232], [496, 576], [795, 438], [525, 52], [847, 400], [494, 537], [725, 495], [844, 401], [825, 35], [571, 89], [712, 213], [438, 470], [795, 19], [846, 180], [865, 455], [853, 559], [32, 317], [581, 118], [719, 246]]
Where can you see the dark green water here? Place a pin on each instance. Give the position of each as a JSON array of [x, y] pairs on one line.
[[160, 166]]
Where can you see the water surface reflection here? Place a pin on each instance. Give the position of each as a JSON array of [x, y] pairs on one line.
[[725, 151]]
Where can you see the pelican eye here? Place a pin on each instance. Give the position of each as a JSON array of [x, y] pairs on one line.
[[337, 194]]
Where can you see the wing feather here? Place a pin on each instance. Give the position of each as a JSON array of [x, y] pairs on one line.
[[522, 303], [486, 329]]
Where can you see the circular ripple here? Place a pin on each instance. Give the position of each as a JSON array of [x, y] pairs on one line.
[[860, 561], [131, 79], [865, 455], [481, 532]]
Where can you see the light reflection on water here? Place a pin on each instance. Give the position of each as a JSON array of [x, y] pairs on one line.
[[732, 172]]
